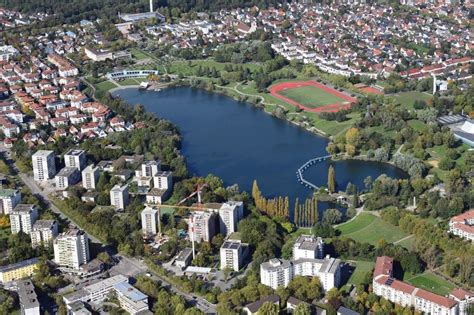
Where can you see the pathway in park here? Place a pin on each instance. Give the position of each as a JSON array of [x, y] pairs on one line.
[[405, 238]]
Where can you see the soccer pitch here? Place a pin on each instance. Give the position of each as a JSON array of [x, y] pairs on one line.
[[311, 96]]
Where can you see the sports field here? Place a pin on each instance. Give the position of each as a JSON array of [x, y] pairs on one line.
[[368, 228], [311, 96]]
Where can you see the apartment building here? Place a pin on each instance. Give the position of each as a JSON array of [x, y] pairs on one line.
[[44, 165], [75, 158], [119, 196], [230, 213], [131, 300], [19, 270], [66, 177], [22, 218], [9, 199], [43, 233], [407, 295], [149, 169], [163, 180], [308, 246], [29, 303], [202, 226], [90, 176], [463, 225], [150, 221], [279, 272], [231, 255], [71, 249], [464, 298]]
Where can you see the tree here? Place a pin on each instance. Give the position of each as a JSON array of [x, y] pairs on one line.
[[352, 136], [302, 309], [332, 148], [331, 179], [332, 216], [268, 308]]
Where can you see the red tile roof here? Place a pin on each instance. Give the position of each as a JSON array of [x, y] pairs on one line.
[[402, 286], [461, 294], [435, 298], [383, 266], [464, 216]]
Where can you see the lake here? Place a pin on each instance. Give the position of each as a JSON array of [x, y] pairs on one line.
[[239, 143]]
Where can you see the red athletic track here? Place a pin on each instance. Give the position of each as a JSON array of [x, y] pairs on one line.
[[275, 89]]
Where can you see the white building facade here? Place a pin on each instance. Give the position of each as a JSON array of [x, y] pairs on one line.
[[22, 218], [44, 165], [71, 249]]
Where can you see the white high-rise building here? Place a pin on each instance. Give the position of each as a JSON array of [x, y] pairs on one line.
[[71, 249], [44, 165], [149, 168], [9, 199], [150, 221], [201, 226], [279, 272], [90, 176], [75, 158], [163, 180], [22, 218], [119, 196], [231, 255], [66, 177], [308, 246], [44, 231], [230, 213], [276, 273]]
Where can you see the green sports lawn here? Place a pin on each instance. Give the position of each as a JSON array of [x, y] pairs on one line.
[[310, 96], [367, 228]]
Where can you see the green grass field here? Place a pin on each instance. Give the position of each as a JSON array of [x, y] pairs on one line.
[[361, 269], [4, 234], [311, 96], [138, 54], [371, 229], [430, 282], [407, 99], [103, 87]]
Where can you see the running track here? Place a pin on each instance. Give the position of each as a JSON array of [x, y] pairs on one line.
[[335, 107]]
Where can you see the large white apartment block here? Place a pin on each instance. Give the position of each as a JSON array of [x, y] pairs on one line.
[[131, 300], [405, 294], [201, 226], [464, 298], [90, 176], [95, 292], [308, 246], [43, 233], [71, 249], [66, 177], [119, 196], [44, 165], [22, 218], [230, 213], [75, 158], [231, 255], [463, 225], [163, 180], [279, 272], [9, 199], [148, 169], [276, 273], [150, 221], [7, 52]]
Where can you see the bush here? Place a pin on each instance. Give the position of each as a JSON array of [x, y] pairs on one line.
[[446, 164]]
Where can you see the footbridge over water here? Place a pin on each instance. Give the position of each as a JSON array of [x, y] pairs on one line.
[[302, 169]]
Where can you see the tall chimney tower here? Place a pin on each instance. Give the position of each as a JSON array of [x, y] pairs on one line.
[[151, 6]]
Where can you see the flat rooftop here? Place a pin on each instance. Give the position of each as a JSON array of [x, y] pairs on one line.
[[42, 153], [231, 245], [127, 290], [75, 152], [184, 254], [23, 208]]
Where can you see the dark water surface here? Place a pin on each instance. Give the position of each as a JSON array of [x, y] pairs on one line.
[[240, 143]]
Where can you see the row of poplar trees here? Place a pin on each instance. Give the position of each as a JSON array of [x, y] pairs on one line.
[[278, 207], [306, 214]]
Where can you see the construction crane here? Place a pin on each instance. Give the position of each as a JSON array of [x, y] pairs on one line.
[[197, 192]]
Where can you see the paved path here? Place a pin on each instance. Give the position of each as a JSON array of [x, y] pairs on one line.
[[405, 238]]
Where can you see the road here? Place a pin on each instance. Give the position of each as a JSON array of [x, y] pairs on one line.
[[127, 265]]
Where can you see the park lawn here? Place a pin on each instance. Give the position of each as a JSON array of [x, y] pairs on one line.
[[408, 243], [417, 125], [407, 99], [138, 54], [371, 230], [361, 269], [430, 282], [129, 81], [310, 96], [103, 87]]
